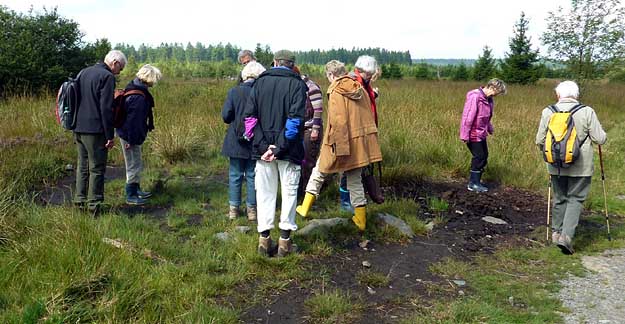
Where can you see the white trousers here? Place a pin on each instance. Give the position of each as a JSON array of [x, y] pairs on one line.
[[354, 185], [266, 181]]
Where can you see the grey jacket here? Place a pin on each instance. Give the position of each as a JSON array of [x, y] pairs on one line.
[[587, 125]]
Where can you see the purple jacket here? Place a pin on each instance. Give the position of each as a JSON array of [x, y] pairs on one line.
[[478, 110]]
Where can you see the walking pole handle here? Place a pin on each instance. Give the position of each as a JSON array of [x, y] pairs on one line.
[[601, 163]]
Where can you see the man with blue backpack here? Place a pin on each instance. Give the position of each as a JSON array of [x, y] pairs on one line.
[[93, 131], [565, 136]]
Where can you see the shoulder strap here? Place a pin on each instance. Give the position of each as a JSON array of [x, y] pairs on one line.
[[576, 108], [133, 92], [554, 108]]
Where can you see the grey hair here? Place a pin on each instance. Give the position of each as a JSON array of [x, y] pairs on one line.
[[149, 74], [286, 63], [336, 68], [567, 89], [115, 55], [243, 53], [366, 63], [252, 70], [498, 85]]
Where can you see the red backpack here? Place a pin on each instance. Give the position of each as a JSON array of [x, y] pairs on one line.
[[119, 105]]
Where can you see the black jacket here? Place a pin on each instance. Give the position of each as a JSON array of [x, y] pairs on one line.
[[232, 113], [277, 95], [95, 113], [139, 120]]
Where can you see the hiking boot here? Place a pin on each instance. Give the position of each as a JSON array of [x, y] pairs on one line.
[[233, 212], [565, 244], [285, 247], [251, 213], [143, 194], [264, 246], [555, 237], [475, 183]]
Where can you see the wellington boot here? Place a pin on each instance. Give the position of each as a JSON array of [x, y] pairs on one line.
[[303, 209], [360, 217]]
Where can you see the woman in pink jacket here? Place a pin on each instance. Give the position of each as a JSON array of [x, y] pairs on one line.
[[476, 126]]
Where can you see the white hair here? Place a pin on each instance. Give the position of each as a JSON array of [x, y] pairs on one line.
[[149, 74], [567, 89], [115, 55], [252, 70], [366, 63]]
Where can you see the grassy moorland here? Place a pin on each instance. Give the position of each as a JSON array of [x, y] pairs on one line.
[[56, 267]]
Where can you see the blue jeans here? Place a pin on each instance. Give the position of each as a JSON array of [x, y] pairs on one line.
[[240, 168]]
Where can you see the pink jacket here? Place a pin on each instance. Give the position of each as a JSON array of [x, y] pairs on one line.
[[478, 110]]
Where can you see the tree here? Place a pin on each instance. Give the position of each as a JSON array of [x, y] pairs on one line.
[[484, 67], [461, 73], [391, 71], [423, 71], [520, 64], [589, 38]]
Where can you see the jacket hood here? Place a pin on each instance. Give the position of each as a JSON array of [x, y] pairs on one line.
[[346, 87]]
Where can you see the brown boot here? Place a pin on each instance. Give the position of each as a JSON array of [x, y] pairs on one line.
[[285, 247], [251, 213], [264, 246], [233, 212]]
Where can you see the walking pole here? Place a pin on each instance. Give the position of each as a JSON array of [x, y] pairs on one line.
[[548, 207], [605, 197]]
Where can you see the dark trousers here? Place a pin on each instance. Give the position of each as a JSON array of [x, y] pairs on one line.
[[92, 156], [479, 150], [311, 153]]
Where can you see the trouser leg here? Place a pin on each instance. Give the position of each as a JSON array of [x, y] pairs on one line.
[[479, 152], [266, 181], [316, 181], [250, 166], [97, 154], [82, 170], [235, 180], [578, 189], [289, 180], [355, 187], [133, 162]]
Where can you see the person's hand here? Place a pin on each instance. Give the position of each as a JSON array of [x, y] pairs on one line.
[[110, 143], [268, 156], [465, 141], [314, 135], [127, 146]]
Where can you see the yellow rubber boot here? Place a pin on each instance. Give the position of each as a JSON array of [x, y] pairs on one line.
[[360, 217], [303, 209]]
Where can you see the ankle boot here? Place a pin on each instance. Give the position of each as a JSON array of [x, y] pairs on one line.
[[251, 213], [264, 246], [346, 204], [233, 212], [143, 194], [360, 217], [285, 246], [303, 209], [131, 195]]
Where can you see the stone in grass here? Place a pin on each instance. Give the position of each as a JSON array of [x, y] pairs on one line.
[[494, 220], [243, 229], [223, 236], [321, 224], [460, 282], [397, 223], [366, 264]]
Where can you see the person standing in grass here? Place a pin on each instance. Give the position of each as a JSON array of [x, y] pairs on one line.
[[366, 70], [350, 144], [237, 148], [139, 121], [312, 129], [571, 185], [94, 133], [476, 126], [274, 119]]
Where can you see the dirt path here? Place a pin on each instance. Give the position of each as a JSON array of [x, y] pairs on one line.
[[599, 297]]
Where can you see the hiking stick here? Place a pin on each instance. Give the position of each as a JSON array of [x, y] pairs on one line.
[[548, 207], [605, 197]]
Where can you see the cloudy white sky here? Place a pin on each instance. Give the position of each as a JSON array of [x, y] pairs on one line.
[[428, 29]]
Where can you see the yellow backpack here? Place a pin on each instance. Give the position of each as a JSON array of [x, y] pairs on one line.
[[561, 144]]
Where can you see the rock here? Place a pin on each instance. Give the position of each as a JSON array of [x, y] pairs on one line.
[[321, 224], [407, 275], [243, 229], [429, 226], [364, 244], [447, 194], [206, 206], [460, 292], [511, 301], [399, 224], [459, 212], [69, 167], [370, 291], [222, 236], [620, 197], [366, 264], [494, 220], [460, 282]]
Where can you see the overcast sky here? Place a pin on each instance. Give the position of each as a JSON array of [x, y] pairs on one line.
[[428, 29]]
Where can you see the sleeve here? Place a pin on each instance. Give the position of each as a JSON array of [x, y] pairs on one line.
[[468, 117], [595, 131], [316, 100], [106, 106], [541, 134], [227, 111], [136, 119], [250, 118], [297, 112]]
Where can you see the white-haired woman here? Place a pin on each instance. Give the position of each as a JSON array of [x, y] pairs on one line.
[[139, 105], [476, 126], [238, 149]]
